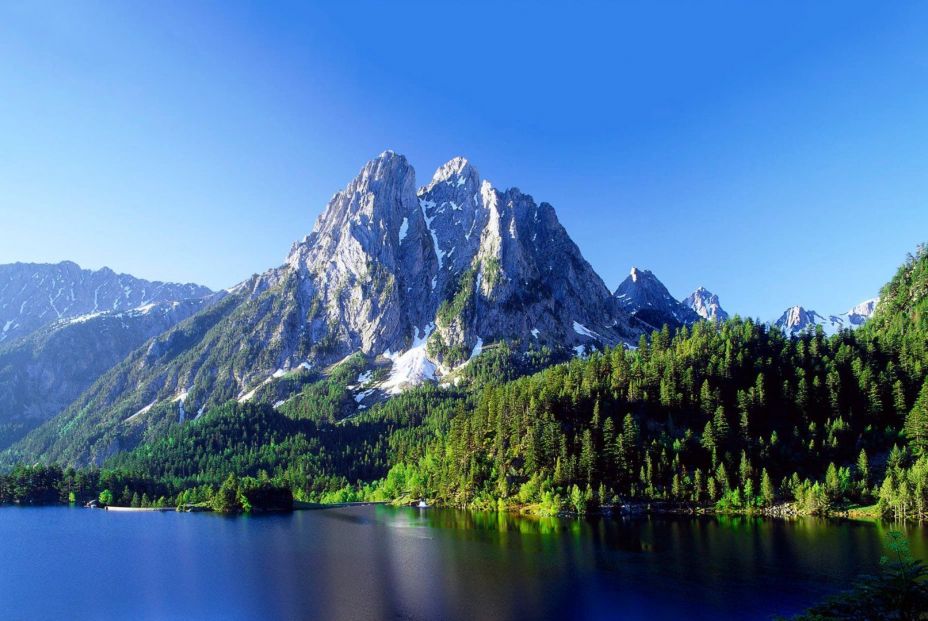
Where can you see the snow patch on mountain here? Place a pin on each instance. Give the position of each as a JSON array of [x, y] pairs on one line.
[[439, 254], [142, 411], [410, 369], [581, 329], [413, 367]]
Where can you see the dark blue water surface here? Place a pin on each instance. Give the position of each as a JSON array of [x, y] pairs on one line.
[[397, 563]]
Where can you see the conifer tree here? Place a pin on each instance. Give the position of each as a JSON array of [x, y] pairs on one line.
[[766, 488], [916, 423]]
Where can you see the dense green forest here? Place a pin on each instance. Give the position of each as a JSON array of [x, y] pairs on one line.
[[734, 416]]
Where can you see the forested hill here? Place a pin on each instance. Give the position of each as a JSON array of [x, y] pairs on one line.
[[901, 318], [734, 415]]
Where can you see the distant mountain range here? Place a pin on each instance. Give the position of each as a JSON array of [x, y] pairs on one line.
[[36, 295], [63, 327], [417, 280], [797, 320]]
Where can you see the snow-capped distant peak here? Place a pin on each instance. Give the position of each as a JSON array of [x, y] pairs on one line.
[[862, 312], [705, 304], [797, 320]]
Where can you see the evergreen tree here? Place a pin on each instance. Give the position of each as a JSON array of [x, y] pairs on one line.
[[744, 469], [916, 423], [832, 482], [766, 488], [863, 470]]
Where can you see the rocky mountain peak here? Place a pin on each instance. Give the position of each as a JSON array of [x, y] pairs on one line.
[[796, 320], [455, 173], [385, 265], [705, 304], [858, 315], [454, 209], [646, 299], [381, 194]]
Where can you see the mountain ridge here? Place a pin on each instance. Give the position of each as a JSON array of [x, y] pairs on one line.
[[35, 295], [797, 320]]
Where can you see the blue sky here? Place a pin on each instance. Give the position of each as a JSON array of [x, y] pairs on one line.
[[776, 155]]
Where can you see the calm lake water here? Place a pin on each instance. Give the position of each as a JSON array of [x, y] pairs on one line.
[[388, 563]]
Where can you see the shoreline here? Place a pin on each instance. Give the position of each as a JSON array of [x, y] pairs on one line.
[[138, 509]]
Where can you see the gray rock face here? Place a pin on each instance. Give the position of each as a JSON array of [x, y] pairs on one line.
[[34, 295], [705, 304], [455, 215], [457, 260], [647, 300], [365, 271]]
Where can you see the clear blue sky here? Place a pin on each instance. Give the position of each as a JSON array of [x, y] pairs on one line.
[[775, 155]]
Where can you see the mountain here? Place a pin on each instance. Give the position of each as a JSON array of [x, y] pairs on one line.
[[860, 314], [705, 304], [43, 372], [33, 295], [418, 281], [797, 320], [647, 301], [452, 265]]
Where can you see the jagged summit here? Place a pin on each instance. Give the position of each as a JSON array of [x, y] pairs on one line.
[[456, 172], [797, 319], [456, 238], [647, 300], [705, 304]]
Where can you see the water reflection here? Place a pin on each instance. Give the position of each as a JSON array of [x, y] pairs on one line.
[[385, 562]]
